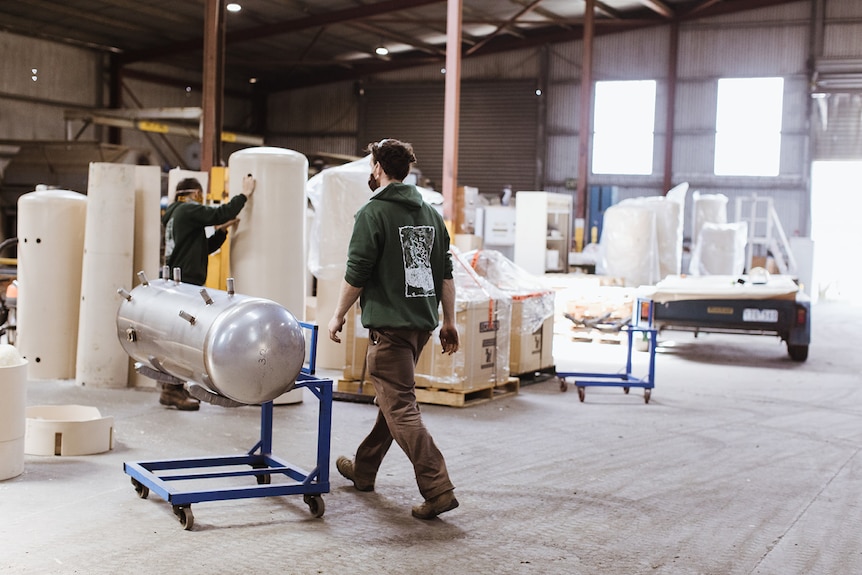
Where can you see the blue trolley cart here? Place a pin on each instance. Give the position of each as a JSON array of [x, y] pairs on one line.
[[642, 323], [166, 477]]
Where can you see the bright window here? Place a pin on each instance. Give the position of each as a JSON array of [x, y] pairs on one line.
[[748, 126], [623, 127]]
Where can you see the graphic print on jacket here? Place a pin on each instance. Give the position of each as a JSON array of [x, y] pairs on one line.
[[416, 245]]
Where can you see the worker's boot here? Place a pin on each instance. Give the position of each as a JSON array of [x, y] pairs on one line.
[[436, 505], [345, 468], [175, 395]]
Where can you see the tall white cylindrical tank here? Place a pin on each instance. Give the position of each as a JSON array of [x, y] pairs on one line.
[[51, 226], [108, 247], [267, 249]]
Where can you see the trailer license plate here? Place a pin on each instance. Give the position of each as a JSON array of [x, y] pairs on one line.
[[760, 315]]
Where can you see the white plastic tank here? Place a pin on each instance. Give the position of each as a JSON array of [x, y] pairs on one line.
[[108, 248], [268, 252], [51, 226], [13, 411]]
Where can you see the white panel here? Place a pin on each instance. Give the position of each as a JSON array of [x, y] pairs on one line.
[[108, 247], [51, 228]]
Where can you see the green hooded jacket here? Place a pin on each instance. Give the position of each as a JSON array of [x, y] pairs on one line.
[[399, 255], [186, 245]]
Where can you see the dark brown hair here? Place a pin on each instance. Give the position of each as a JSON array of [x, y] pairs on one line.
[[394, 157], [189, 185]]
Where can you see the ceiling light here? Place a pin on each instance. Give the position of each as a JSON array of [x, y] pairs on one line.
[[381, 51], [233, 7]]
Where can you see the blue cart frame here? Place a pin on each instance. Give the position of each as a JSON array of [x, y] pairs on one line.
[[161, 476], [642, 323]]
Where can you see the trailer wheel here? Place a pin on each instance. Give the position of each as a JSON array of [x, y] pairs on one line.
[[626, 390], [582, 391], [142, 490], [185, 515], [647, 393], [315, 504], [797, 352], [563, 385]]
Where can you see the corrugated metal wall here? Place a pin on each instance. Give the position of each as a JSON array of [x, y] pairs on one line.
[[498, 128]]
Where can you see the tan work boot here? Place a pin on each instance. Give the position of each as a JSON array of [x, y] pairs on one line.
[[436, 505], [176, 396], [345, 468]]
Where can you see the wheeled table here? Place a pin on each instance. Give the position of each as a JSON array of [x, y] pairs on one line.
[[733, 304]]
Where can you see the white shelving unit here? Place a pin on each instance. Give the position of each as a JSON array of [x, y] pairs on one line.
[[543, 231]]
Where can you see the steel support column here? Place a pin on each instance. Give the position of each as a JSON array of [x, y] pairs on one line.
[[212, 99], [452, 110], [584, 124], [670, 120]]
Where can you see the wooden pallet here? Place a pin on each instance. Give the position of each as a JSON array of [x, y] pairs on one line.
[[466, 398], [597, 336]]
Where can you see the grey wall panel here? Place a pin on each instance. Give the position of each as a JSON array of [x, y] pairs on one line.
[[637, 55], [563, 107], [319, 109], [843, 38], [562, 159], [743, 52], [497, 143], [565, 61]]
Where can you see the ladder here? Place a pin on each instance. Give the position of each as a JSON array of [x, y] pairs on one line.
[[764, 229]]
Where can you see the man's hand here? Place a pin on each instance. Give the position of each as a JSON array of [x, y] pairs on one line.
[[449, 339], [335, 325], [232, 223], [248, 185]]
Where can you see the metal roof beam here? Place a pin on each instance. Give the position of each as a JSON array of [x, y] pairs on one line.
[[258, 32]]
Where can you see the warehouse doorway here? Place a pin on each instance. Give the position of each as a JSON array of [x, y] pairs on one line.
[[836, 229]]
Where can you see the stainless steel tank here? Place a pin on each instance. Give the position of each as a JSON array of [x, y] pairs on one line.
[[247, 349]]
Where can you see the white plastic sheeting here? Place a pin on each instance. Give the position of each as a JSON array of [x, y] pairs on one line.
[[720, 249]]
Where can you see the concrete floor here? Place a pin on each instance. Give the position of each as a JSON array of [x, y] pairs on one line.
[[743, 462]]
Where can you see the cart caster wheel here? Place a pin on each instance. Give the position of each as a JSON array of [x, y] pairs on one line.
[[142, 490], [646, 395], [563, 385], [626, 390], [184, 514], [264, 478], [315, 505], [582, 391]]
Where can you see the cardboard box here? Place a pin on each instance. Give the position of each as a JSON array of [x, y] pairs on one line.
[[529, 351], [483, 326], [355, 344]]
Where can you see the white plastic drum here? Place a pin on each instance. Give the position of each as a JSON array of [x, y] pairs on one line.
[[268, 252], [51, 227], [13, 411]]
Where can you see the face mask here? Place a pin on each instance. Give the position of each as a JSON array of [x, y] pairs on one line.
[[372, 182]]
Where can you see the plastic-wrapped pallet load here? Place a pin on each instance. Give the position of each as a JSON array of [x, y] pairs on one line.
[[629, 243], [720, 250], [483, 315], [531, 335], [706, 208]]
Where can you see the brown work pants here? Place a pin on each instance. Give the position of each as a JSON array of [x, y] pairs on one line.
[[392, 357]]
